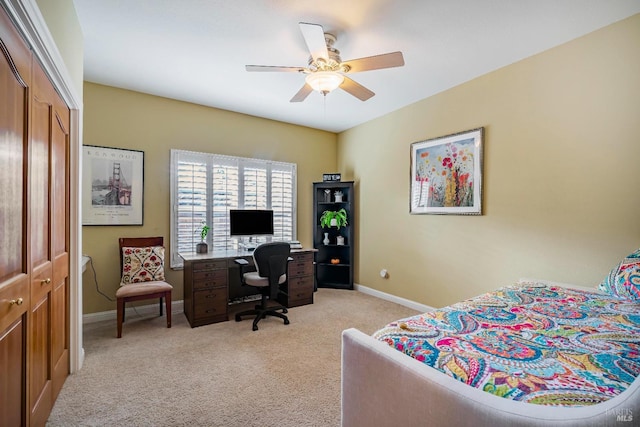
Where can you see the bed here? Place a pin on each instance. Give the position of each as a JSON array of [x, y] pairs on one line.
[[535, 353]]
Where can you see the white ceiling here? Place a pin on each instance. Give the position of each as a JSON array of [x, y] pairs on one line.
[[196, 50]]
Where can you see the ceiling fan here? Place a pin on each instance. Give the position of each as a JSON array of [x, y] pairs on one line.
[[326, 71]]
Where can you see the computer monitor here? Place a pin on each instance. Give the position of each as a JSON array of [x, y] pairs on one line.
[[250, 222]]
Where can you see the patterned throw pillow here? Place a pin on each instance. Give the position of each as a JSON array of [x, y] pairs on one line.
[[142, 264], [624, 280]]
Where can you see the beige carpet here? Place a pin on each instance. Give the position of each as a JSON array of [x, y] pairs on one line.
[[223, 374]]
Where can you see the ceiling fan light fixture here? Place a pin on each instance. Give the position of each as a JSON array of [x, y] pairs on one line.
[[324, 81]]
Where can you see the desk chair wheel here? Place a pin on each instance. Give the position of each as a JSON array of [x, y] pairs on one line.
[[284, 310]]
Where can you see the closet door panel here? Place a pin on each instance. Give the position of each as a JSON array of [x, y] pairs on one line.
[[59, 193], [41, 113], [12, 174], [41, 376], [40, 373], [12, 372], [60, 244], [15, 78], [59, 337], [14, 75]]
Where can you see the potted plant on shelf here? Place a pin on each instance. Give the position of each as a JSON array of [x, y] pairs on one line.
[[334, 218], [202, 247]]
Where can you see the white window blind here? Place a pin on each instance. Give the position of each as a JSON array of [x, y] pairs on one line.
[[205, 186]]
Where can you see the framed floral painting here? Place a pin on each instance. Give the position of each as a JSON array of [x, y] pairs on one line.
[[446, 174]]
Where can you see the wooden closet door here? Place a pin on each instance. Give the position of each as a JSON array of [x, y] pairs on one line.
[[49, 357], [15, 79], [60, 243], [34, 235], [40, 373]]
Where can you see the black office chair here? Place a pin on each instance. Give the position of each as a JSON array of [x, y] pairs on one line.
[[271, 261]]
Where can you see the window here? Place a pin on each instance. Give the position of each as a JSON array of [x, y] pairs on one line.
[[205, 186]]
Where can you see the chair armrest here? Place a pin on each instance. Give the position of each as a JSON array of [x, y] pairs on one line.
[[244, 265]]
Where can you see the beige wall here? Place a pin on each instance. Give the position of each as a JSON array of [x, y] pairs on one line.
[[561, 176], [124, 119]]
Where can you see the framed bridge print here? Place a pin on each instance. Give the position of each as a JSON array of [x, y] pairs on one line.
[[446, 174], [112, 186]]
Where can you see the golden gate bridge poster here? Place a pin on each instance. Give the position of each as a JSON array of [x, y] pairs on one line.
[[113, 181]]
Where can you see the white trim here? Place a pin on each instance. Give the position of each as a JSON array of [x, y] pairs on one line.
[[31, 24], [388, 297], [76, 349], [177, 307], [425, 308], [27, 17]]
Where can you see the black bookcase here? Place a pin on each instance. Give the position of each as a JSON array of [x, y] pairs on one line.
[[336, 274]]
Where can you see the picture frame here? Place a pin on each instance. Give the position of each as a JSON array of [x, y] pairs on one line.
[[446, 174], [112, 186], [331, 177]]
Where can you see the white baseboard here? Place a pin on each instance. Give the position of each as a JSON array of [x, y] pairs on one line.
[[177, 307], [388, 297]]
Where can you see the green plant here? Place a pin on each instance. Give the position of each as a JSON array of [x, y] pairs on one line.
[[204, 231], [340, 217]]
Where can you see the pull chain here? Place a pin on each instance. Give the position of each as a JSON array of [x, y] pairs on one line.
[[324, 105]]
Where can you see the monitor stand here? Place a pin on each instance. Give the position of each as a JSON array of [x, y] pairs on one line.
[[248, 246]]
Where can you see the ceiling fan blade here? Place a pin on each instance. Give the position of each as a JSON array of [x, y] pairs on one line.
[[272, 68], [302, 93], [356, 89], [314, 37], [377, 62]]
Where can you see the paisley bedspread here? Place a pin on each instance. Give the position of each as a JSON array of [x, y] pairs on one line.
[[530, 342]]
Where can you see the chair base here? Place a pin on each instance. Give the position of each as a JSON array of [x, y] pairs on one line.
[[261, 311], [166, 295]]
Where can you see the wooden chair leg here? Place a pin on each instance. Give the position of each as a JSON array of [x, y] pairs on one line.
[[160, 306], [120, 315], [167, 299]]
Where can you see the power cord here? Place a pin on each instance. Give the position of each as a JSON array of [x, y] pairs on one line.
[[95, 279]]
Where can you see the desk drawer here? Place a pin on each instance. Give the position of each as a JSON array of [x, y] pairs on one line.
[[299, 268], [210, 303], [300, 292], [209, 279], [209, 265], [300, 283], [302, 257]]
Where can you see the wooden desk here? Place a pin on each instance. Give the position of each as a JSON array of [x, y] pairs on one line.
[[211, 279]]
